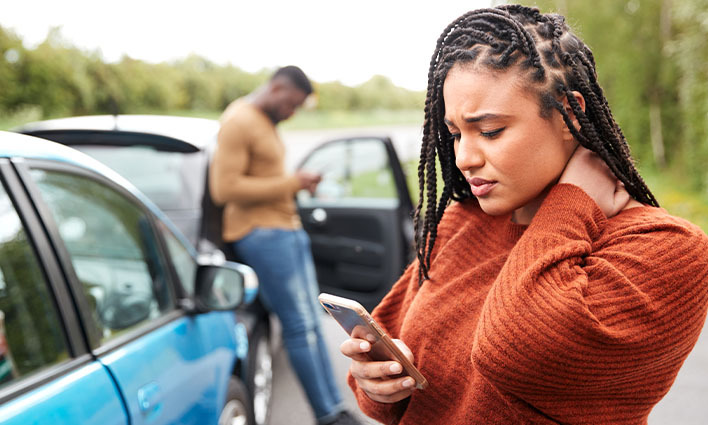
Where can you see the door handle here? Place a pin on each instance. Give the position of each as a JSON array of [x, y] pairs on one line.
[[149, 399], [318, 216]]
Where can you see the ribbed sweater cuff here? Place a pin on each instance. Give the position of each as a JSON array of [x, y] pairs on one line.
[[568, 209]]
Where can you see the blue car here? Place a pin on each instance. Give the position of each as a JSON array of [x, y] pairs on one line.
[[107, 313], [167, 158]]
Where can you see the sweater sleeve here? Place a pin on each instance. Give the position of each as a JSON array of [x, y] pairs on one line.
[[228, 181], [579, 323]]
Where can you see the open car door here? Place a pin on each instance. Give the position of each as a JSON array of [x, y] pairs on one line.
[[359, 219]]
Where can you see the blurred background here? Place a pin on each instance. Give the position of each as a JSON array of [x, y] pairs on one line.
[[369, 61]]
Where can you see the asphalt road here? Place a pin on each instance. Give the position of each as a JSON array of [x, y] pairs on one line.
[[685, 404], [289, 403]]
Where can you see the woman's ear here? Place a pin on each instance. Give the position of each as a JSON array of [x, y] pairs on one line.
[[569, 110]]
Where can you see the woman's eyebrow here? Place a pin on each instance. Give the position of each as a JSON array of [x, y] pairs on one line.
[[478, 118], [484, 117]]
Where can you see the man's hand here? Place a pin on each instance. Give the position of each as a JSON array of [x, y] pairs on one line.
[[308, 181], [588, 171]]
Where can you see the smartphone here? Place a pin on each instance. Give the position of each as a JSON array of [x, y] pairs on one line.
[[357, 322]]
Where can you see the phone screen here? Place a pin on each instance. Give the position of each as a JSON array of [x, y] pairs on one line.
[[347, 318], [357, 322], [358, 326]]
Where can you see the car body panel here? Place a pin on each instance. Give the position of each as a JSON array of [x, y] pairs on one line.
[[17, 146], [87, 396], [343, 263], [163, 156], [192, 352], [197, 132], [173, 369]]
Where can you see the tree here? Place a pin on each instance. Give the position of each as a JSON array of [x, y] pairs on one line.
[[688, 49], [11, 55]]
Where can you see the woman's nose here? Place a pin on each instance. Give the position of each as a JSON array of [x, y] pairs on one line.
[[467, 155]]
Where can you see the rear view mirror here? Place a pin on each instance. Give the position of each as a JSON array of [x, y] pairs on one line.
[[221, 287]]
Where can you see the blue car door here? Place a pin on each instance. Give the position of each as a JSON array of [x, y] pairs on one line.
[[171, 368], [47, 375], [170, 377], [85, 396]]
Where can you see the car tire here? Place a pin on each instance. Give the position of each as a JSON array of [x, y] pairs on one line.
[[260, 373], [237, 409]]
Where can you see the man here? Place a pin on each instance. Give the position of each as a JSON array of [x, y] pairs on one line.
[[260, 222]]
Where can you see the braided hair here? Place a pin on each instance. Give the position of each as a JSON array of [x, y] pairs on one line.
[[556, 63]]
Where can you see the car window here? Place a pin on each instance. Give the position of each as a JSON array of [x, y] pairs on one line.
[[31, 334], [351, 169], [113, 250], [184, 264], [172, 180]]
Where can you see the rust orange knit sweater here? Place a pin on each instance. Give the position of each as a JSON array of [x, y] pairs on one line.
[[575, 319]]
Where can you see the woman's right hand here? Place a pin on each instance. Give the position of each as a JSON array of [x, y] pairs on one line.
[[380, 380]]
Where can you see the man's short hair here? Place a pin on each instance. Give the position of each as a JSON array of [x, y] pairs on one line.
[[295, 76]]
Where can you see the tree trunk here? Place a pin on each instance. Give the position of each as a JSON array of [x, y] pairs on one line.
[[655, 131]]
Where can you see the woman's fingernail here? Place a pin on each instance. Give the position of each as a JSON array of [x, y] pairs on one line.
[[364, 345], [408, 383], [396, 368]]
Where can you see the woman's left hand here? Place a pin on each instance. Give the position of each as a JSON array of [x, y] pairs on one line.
[[588, 171]]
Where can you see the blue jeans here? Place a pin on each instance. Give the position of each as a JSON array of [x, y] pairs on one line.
[[288, 287]]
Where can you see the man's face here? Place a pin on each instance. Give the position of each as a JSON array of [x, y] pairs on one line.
[[285, 99]]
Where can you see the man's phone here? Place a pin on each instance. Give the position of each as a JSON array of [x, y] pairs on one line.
[[357, 322]]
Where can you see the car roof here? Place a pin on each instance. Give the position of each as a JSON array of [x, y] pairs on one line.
[[197, 133], [21, 145], [14, 145]]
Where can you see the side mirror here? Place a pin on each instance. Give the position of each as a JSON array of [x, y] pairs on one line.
[[222, 287]]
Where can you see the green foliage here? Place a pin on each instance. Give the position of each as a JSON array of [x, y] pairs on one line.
[[11, 56], [651, 53], [689, 50], [58, 79], [677, 197]]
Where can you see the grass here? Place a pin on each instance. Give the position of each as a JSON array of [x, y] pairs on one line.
[[678, 198]]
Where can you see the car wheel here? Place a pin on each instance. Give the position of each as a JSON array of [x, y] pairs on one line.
[[260, 373], [237, 409]]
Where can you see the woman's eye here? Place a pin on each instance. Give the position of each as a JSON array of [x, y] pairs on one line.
[[455, 136], [493, 133]]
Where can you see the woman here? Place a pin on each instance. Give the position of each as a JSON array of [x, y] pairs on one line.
[[549, 286]]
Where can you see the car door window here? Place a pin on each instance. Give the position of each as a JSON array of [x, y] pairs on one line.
[[351, 170], [170, 179], [31, 334], [184, 263], [113, 250]]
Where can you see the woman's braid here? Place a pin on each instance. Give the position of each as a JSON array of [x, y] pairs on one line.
[[556, 61]]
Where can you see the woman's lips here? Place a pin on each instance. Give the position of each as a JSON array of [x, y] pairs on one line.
[[480, 186]]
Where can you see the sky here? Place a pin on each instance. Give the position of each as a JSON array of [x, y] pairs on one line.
[[346, 41]]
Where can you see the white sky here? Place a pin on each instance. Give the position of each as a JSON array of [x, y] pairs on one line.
[[347, 41]]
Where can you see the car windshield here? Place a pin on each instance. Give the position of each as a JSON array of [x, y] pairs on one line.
[[172, 180]]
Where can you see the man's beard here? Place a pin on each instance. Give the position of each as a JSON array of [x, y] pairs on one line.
[[273, 115]]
